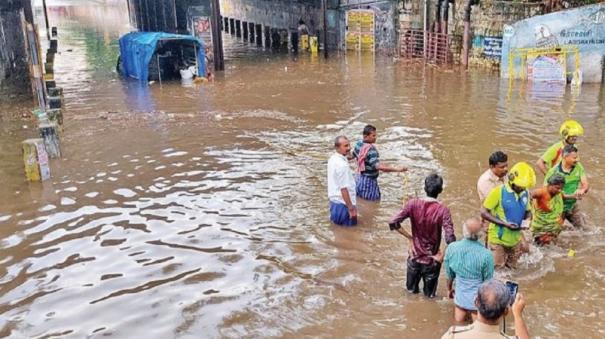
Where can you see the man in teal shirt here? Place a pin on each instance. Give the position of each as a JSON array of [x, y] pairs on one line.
[[576, 184], [469, 264]]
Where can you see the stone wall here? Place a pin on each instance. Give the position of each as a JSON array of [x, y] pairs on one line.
[[487, 22], [14, 65]]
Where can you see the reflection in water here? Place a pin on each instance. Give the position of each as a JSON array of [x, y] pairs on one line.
[[202, 209]]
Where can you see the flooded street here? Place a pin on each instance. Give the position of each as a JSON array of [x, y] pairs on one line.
[[201, 211]]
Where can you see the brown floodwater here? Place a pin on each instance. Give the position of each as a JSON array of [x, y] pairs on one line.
[[201, 211]]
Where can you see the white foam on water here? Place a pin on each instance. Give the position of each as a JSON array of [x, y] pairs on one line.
[[67, 201], [46, 208], [70, 189], [175, 154], [91, 194], [125, 192]]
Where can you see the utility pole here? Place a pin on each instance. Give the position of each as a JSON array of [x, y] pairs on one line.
[[217, 36], [46, 19]]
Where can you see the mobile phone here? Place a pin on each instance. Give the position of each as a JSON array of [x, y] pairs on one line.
[[513, 287]]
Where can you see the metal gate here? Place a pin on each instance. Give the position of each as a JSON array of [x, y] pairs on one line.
[[433, 47]]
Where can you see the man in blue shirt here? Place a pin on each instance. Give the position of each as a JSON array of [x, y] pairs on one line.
[[369, 166], [469, 264]]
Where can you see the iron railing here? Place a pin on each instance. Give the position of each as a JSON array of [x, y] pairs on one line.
[[433, 47]]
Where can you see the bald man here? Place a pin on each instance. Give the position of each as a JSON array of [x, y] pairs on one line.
[[493, 300], [469, 264]]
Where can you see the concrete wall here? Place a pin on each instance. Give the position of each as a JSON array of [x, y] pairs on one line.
[[583, 28], [275, 13], [286, 14], [14, 65]]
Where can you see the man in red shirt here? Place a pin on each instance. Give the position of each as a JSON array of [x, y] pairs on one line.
[[428, 217]]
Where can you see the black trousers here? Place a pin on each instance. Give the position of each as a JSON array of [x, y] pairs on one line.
[[428, 273]]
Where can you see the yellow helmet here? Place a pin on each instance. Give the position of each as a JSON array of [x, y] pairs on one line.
[[522, 175], [571, 128]]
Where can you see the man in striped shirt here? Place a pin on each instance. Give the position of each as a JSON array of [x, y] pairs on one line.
[[369, 166], [469, 264]]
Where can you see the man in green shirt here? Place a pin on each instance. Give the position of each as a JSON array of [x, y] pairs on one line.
[[506, 208], [570, 131], [576, 184]]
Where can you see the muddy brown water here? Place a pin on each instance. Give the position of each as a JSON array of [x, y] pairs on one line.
[[201, 211]]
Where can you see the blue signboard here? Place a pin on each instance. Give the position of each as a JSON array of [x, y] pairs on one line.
[[492, 47]]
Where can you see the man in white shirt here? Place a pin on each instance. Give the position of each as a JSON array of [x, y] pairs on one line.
[[341, 185], [494, 176]]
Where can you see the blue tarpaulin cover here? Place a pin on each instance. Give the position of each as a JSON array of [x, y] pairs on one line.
[[137, 48]]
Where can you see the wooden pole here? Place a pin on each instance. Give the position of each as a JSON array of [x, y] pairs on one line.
[[46, 19]]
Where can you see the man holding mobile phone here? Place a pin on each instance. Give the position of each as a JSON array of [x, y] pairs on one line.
[[506, 208], [493, 304]]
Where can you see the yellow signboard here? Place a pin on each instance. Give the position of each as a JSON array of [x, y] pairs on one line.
[[367, 42], [360, 30], [352, 41]]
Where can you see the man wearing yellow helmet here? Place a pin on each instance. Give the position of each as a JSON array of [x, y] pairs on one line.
[[570, 131], [506, 207], [575, 187]]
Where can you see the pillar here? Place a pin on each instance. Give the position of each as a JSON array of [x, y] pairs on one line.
[[226, 24], [294, 40], [232, 26], [275, 38], [259, 35], [267, 36], [238, 28], [251, 28], [49, 133], [35, 160], [245, 30]]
